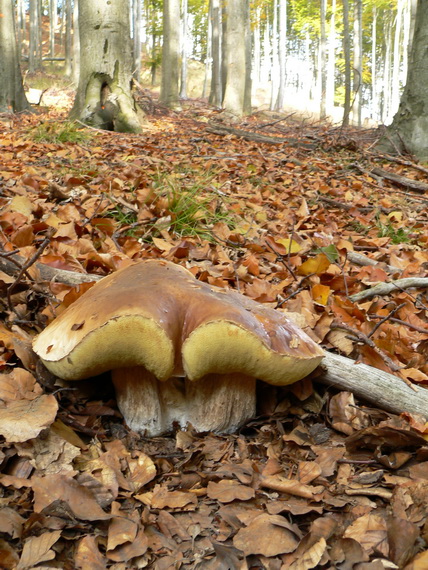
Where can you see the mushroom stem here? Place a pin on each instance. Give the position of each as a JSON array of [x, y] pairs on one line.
[[216, 402], [221, 402]]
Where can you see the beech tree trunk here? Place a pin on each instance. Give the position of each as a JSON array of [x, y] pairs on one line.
[[104, 97], [12, 96], [347, 57], [216, 88], [170, 53], [408, 132], [358, 61], [237, 95]]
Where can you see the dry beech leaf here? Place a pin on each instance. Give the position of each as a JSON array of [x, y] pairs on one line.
[[141, 469], [11, 522], [22, 420], [38, 549], [162, 498], [268, 535], [19, 385], [310, 558], [130, 550], [371, 532], [226, 491], [308, 471], [80, 499], [122, 528], [292, 487], [87, 556]]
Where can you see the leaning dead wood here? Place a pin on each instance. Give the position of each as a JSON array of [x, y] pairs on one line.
[[386, 288], [376, 387], [45, 272], [401, 181]]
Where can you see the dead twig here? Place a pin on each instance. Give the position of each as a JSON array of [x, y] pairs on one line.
[[26, 266], [384, 319], [361, 337]]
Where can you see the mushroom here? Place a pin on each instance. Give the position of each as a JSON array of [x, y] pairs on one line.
[[180, 351]]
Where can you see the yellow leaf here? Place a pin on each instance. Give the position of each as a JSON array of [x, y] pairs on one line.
[[320, 294], [290, 245], [396, 216], [315, 265]]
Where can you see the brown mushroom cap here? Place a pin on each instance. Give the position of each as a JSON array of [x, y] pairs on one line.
[[157, 316]]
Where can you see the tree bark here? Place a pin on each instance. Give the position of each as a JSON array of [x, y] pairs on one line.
[[237, 96], [170, 53], [408, 132], [216, 88], [104, 97], [347, 57], [12, 95]]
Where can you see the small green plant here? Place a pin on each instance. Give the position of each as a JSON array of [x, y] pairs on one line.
[[358, 227], [59, 132], [387, 229], [191, 209]]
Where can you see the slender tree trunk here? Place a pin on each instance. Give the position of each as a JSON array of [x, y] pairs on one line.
[[358, 62], [76, 44], [137, 33], [387, 64], [331, 62], [374, 101], [21, 24], [395, 92], [237, 96], [103, 97], [52, 26], [347, 57], [323, 60], [275, 59], [282, 52], [33, 50], [170, 53], [68, 42], [184, 41], [209, 57], [12, 96], [216, 87]]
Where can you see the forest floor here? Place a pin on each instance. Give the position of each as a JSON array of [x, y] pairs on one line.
[[303, 220]]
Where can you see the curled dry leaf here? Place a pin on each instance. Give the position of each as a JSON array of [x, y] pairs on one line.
[[80, 499], [269, 535], [311, 557], [87, 555], [22, 420], [226, 491], [38, 549]]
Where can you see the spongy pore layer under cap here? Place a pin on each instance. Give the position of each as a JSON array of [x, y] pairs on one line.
[[155, 314]]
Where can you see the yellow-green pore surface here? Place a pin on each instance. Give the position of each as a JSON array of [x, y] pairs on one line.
[[155, 314]]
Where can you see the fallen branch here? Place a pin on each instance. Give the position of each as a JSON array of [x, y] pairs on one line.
[[223, 130], [376, 387], [401, 181], [386, 288], [12, 265]]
